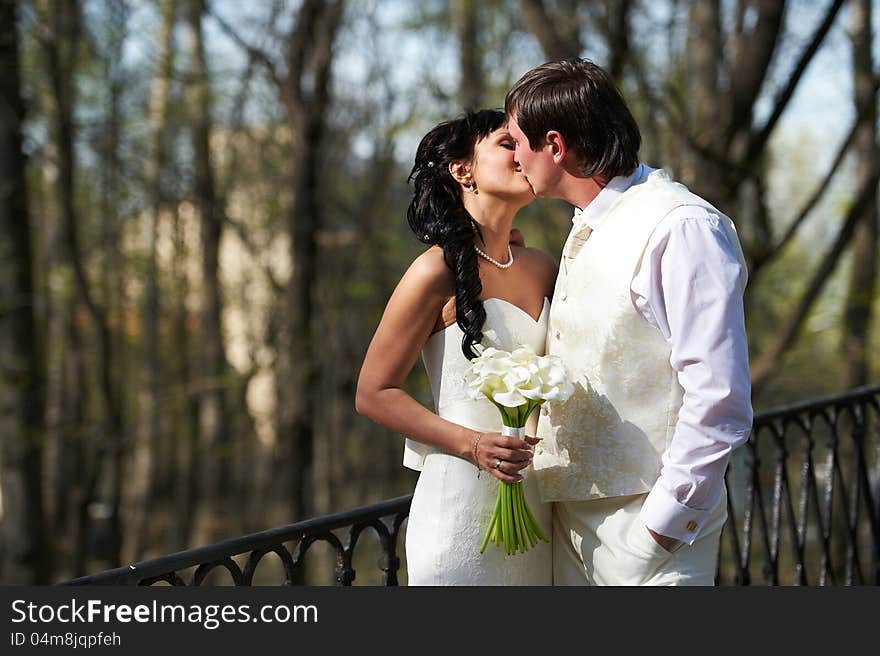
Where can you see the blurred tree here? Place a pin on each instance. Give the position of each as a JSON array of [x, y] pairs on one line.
[[141, 485], [617, 27], [862, 284], [728, 152], [467, 23], [557, 27], [214, 373], [707, 100], [112, 275], [61, 41], [25, 547], [305, 94]]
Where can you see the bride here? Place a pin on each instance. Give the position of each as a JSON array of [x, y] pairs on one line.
[[472, 288]]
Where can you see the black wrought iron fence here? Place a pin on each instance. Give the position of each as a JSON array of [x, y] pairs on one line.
[[804, 496], [803, 504]]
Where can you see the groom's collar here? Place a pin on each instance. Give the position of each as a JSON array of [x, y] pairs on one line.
[[592, 215]]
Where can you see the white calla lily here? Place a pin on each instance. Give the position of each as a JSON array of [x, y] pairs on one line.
[[513, 379]]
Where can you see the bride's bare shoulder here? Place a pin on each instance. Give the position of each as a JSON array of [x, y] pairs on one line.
[[428, 273]]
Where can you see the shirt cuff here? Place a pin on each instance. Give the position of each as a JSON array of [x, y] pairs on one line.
[[664, 514]]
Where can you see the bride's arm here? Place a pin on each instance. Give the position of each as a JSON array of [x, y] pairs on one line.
[[408, 320]]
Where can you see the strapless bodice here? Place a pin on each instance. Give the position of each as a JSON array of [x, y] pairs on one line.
[[507, 327]]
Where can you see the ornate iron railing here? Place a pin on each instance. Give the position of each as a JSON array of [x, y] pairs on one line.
[[302, 536], [804, 496], [803, 506]]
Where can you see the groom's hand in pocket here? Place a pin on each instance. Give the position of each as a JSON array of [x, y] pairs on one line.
[[504, 457], [664, 541]]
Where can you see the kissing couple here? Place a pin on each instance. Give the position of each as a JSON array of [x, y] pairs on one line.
[[645, 309]]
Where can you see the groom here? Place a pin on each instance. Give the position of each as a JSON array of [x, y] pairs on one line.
[[648, 316]]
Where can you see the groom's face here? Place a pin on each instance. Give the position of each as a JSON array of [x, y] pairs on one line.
[[538, 165]]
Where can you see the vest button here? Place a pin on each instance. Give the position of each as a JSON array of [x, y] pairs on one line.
[[558, 334]]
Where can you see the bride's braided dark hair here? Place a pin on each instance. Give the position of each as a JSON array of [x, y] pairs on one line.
[[437, 214]]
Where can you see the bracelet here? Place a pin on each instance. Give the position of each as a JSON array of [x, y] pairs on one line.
[[477, 462]]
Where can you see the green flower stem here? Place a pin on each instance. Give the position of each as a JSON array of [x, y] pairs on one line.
[[514, 535], [505, 519], [538, 531], [523, 537], [527, 529], [514, 513], [530, 532], [512, 524], [491, 532], [499, 527], [535, 530]]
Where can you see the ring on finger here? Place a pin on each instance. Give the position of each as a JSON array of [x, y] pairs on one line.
[[498, 463]]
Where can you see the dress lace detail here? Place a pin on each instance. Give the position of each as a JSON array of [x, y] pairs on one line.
[[451, 507]]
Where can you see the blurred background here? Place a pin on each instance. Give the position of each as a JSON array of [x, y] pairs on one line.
[[202, 205]]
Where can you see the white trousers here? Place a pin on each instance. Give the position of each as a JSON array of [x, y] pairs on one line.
[[604, 542]]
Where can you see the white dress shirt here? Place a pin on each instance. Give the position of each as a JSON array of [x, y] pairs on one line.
[[690, 287]]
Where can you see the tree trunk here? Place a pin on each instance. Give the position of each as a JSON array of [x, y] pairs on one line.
[[306, 94], [706, 109], [558, 33], [87, 458], [765, 365], [114, 278], [25, 553], [471, 86], [860, 295], [617, 17], [61, 47], [749, 69], [178, 462], [214, 434], [140, 487]]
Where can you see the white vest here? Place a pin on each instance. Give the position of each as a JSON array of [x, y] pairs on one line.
[[607, 439]]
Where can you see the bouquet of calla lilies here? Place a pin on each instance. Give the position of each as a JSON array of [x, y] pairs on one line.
[[516, 382]]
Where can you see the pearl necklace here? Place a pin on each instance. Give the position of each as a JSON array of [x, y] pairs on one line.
[[506, 265]]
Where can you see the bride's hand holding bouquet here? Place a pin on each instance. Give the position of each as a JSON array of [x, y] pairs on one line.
[[516, 383]]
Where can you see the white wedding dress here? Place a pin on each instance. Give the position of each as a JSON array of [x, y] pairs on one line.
[[451, 507]]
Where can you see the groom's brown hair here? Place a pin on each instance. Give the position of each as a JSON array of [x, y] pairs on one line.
[[579, 100]]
